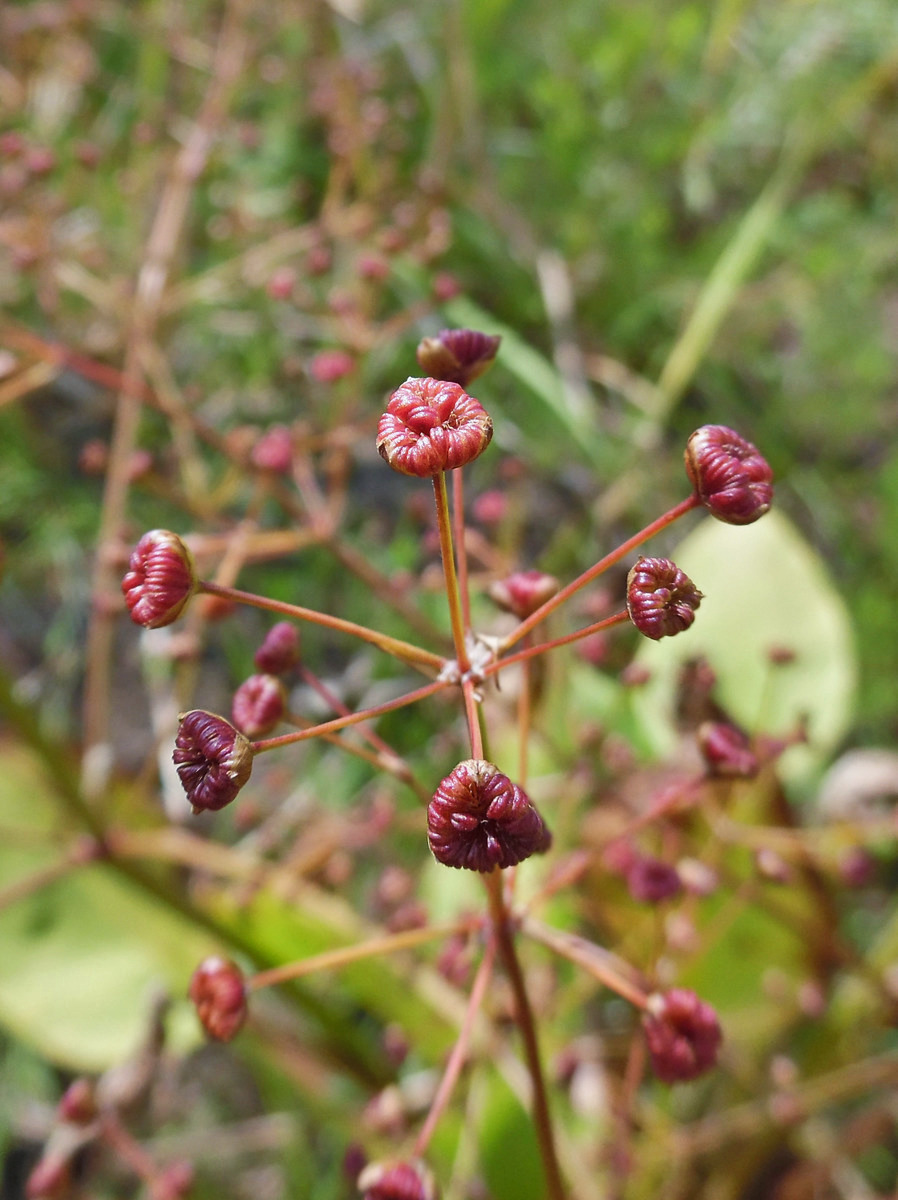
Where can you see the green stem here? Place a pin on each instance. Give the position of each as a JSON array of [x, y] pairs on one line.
[[405, 651], [452, 594], [600, 567]]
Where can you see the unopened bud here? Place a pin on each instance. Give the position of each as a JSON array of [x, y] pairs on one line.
[[651, 880], [478, 819], [431, 426], [683, 1035], [218, 990], [397, 1181], [661, 599], [78, 1105], [279, 652], [160, 579], [730, 476], [457, 355], [274, 451], [259, 705], [214, 760], [523, 592], [726, 750]]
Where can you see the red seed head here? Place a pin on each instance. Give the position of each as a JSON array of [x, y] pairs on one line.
[[259, 705], [457, 355], [730, 477], [478, 819], [279, 652], [396, 1181], [661, 598], [683, 1035], [432, 426], [651, 880], [218, 990], [214, 760], [78, 1105], [160, 579], [523, 592], [274, 451], [331, 365], [726, 750]]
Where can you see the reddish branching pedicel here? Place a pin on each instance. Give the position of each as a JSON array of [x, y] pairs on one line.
[[397, 1181], [259, 704], [458, 355], [218, 990], [683, 1035], [478, 819], [160, 579], [523, 592], [214, 760], [661, 599], [730, 476], [279, 653], [726, 750], [431, 426]]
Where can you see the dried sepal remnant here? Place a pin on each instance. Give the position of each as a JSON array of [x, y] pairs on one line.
[[218, 990], [397, 1181], [214, 759], [731, 477], [523, 592], [160, 579], [458, 355], [661, 599], [259, 705], [478, 819], [683, 1035], [430, 426]]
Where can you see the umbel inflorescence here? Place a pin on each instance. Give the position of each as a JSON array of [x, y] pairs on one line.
[[478, 817]]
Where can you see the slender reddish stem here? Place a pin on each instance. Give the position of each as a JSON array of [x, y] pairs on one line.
[[452, 595], [618, 618], [414, 655], [459, 1051], [607, 968], [542, 1118], [600, 567], [365, 714]]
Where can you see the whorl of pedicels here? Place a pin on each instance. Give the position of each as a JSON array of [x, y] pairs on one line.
[[259, 704], [478, 819], [397, 1181], [661, 599], [457, 355], [730, 476], [160, 579], [683, 1035], [214, 759], [430, 426], [523, 592], [218, 990]]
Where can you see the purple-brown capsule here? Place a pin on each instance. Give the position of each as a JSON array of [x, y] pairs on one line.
[[661, 599], [259, 705], [683, 1035], [731, 478], [214, 760], [218, 990], [478, 819], [279, 653], [457, 355], [160, 579], [430, 426], [397, 1181], [523, 592], [726, 750], [651, 880]]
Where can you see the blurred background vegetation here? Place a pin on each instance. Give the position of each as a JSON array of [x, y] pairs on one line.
[[220, 217]]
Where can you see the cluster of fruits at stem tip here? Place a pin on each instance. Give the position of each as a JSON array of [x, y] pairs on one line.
[[477, 818]]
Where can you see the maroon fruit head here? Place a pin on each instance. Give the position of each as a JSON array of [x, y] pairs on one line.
[[683, 1035], [432, 426], [457, 355], [730, 476], [396, 1181], [214, 760], [259, 705], [218, 990], [661, 599], [160, 579]]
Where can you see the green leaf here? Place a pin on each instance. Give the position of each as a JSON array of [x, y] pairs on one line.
[[764, 588]]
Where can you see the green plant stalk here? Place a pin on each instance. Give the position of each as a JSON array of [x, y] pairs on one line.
[[599, 568], [414, 655], [542, 1117], [446, 552]]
